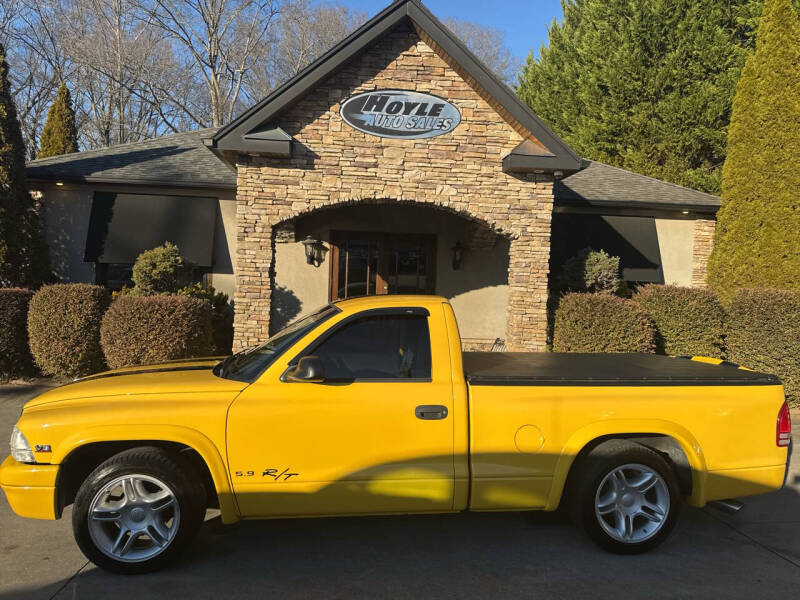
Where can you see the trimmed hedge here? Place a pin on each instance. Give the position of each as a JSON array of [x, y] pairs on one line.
[[15, 357], [602, 323], [64, 328], [141, 330], [688, 320], [763, 333], [222, 316]]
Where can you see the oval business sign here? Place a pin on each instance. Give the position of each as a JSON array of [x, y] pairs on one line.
[[400, 114]]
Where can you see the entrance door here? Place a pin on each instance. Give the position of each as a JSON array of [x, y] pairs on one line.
[[368, 264]]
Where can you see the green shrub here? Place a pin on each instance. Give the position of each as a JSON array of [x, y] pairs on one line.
[[222, 316], [141, 330], [763, 333], [15, 357], [64, 328], [591, 271], [602, 323], [161, 270], [688, 320]]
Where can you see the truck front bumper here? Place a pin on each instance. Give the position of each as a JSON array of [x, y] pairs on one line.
[[30, 489]]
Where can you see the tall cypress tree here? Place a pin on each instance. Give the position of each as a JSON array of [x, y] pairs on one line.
[[23, 253], [60, 135], [645, 85], [757, 242]]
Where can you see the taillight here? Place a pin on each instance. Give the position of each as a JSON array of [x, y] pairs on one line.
[[784, 430]]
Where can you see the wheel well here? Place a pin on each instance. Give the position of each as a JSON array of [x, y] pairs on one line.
[[79, 463], [665, 445]]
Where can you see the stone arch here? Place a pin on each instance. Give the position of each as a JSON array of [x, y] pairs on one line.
[[485, 231], [528, 256]]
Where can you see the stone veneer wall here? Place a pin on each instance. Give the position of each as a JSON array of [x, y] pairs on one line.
[[703, 244], [333, 164]]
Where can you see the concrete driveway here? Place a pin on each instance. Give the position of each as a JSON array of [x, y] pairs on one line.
[[755, 554]]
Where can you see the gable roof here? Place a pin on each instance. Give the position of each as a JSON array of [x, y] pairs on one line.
[[178, 160], [602, 185], [238, 135]]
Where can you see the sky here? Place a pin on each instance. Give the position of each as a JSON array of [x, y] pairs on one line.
[[523, 21]]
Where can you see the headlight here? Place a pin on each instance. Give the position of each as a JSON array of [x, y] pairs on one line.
[[20, 448]]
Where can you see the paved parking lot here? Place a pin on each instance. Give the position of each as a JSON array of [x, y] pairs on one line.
[[755, 554]]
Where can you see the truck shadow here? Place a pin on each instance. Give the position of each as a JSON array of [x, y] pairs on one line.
[[515, 554]]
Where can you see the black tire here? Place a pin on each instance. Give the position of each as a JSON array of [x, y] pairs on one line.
[[591, 473], [148, 461]]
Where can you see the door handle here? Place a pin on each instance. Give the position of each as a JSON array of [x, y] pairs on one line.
[[431, 412]]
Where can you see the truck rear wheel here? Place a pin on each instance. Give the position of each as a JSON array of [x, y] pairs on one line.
[[625, 497], [137, 511]]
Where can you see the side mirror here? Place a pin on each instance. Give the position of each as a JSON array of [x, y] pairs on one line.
[[308, 370]]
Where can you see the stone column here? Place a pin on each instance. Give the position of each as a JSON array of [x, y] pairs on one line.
[[701, 250], [528, 269], [254, 258]]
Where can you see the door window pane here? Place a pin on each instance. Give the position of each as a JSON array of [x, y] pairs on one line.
[[382, 347], [358, 255], [381, 263]]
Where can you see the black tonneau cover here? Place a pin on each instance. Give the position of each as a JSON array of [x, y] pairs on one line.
[[553, 368]]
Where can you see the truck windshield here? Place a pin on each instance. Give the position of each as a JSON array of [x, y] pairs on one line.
[[248, 364]]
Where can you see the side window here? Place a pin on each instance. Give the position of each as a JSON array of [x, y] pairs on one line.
[[378, 347]]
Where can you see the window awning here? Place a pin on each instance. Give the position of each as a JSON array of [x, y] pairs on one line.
[[122, 226], [633, 239]]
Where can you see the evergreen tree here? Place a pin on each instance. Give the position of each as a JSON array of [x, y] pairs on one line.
[[645, 85], [23, 253], [757, 242], [60, 135]]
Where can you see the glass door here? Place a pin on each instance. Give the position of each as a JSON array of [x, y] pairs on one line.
[[367, 264]]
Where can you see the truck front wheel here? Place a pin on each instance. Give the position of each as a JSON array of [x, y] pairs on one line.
[[137, 511], [626, 497]]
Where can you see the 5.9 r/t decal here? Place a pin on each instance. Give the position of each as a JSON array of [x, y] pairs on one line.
[[285, 475]]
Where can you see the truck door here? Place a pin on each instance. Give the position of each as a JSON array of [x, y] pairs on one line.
[[376, 436]]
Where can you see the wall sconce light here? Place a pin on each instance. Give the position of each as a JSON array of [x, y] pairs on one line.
[[458, 255], [315, 251]]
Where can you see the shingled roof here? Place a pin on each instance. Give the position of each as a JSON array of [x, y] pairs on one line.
[[600, 185], [179, 160], [182, 160]]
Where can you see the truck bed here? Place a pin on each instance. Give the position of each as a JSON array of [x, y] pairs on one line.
[[568, 369]]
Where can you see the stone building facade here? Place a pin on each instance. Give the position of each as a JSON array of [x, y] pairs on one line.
[[335, 165]]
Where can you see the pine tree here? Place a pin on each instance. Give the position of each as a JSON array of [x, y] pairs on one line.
[[23, 253], [757, 242], [59, 136], [645, 85]]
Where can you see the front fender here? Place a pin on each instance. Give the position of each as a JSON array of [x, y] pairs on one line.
[[145, 432], [628, 427]]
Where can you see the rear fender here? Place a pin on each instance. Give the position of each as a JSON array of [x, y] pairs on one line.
[[629, 428]]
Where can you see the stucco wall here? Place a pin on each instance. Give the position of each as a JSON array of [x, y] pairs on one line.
[[222, 275], [67, 209], [478, 290], [675, 242]]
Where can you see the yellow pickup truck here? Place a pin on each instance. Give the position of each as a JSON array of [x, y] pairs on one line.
[[369, 406]]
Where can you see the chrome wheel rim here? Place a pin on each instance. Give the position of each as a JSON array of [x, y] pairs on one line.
[[632, 503], [134, 518]]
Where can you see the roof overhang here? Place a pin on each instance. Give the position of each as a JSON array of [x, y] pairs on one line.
[[568, 204], [255, 131], [139, 181]]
